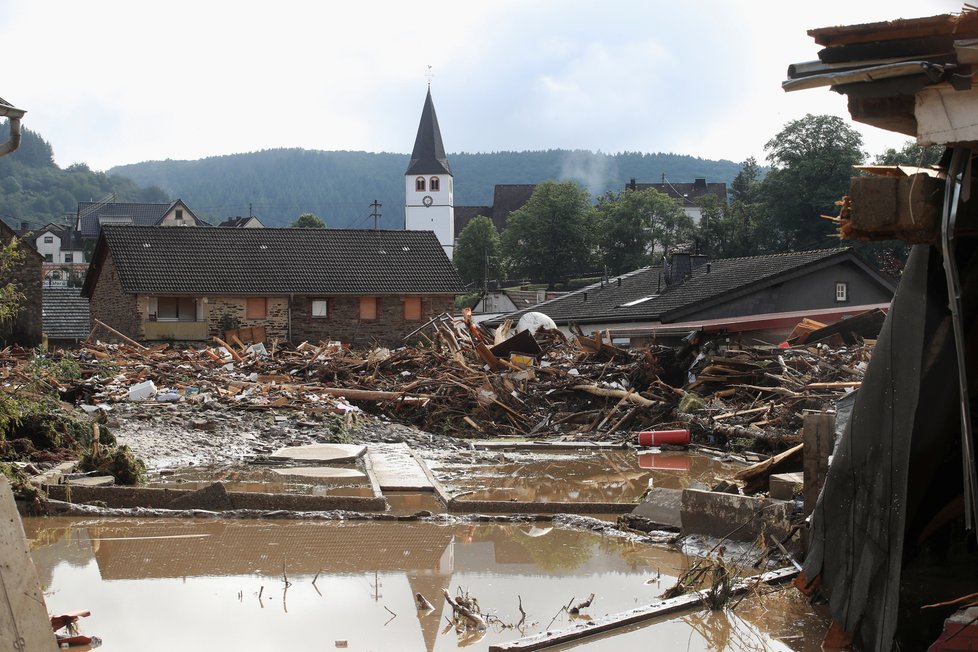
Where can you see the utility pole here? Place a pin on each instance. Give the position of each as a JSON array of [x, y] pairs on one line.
[[376, 213]]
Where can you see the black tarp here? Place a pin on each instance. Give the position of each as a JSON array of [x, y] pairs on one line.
[[894, 468]]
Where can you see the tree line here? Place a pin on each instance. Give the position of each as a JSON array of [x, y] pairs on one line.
[[561, 233]]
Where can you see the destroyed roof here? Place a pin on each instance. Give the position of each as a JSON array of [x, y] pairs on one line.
[[882, 66], [161, 260], [65, 313], [643, 295]]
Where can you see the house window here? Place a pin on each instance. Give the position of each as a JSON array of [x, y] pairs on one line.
[[256, 308], [176, 309], [841, 292], [179, 217], [435, 184], [69, 258], [49, 239], [320, 308], [368, 308], [412, 308], [419, 184], [49, 258]]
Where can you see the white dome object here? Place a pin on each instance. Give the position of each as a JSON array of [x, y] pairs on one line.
[[534, 321]]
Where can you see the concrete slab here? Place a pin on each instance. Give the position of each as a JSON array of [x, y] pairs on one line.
[[783, 486], [24, 623], [662, 506], [91, 481], [396, 469], [326, 453], [735, 517], [332, 473]]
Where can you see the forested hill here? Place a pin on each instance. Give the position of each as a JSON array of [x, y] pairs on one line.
[[34, 191], [280, 184]]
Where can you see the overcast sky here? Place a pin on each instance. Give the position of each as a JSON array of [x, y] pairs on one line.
[[109, 82]]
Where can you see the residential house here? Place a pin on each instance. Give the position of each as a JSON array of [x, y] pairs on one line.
[[25, 275], [687, 195], [250, 222], [92, 216], [506, 198], [66, 319], [761, 295], [63, 250], [356, 286], [500, 302]]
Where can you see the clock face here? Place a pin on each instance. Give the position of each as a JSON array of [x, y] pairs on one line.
[[426, 200]]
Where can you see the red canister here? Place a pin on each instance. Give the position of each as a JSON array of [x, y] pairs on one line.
[[660, 437]]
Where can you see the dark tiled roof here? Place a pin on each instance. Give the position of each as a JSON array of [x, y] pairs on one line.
[[465, 214], [71, 240], [239, 222], [687, 193], [725, 279], [157, 260], [93, 215], [509, 197], [65, 313], [428, 156]]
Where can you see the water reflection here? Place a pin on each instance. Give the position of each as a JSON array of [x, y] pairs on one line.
[[605, 477], [209, 584]]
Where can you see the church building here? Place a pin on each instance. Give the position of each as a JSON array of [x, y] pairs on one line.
[[428, 184]]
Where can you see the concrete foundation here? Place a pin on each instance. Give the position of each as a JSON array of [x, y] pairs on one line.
[[734, 517]]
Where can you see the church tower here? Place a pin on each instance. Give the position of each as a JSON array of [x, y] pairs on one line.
[[428, 185]]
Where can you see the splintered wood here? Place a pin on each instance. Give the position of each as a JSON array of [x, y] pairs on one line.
[[540, 386]]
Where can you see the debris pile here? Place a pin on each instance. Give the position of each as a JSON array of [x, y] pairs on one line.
[[541, 386]]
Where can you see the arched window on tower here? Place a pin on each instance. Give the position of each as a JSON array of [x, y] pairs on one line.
[[435, 184], [419, 184]]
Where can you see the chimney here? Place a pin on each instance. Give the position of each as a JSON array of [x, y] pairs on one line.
[[631, 184], [24, 226], [681, 267], [699, 183]]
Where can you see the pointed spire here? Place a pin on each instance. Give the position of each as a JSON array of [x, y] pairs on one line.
[[429, 155]]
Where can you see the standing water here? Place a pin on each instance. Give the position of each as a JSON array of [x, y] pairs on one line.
[[165, 584]]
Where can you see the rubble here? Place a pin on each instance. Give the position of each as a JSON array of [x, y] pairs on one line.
[[581, 389]]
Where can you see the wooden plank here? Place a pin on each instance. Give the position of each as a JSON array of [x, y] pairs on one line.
[[24, 623], [818, 436], [655, 610]]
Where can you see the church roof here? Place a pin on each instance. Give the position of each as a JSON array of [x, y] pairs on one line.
[[429, 155]]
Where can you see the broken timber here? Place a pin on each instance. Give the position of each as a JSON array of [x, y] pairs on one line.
[[641, 614]]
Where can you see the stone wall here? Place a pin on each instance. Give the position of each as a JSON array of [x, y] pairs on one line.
[[344, 323], [112, 305], [25, 328], [276, 322]]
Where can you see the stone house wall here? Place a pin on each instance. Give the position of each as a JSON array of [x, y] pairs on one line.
[[112, 305], [344, 323], [276, 322], [25, 328]]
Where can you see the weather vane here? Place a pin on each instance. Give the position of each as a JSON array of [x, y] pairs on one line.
[[429, 75]]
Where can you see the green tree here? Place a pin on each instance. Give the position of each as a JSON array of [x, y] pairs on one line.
[[634, 224], [811, 161], [551, 237], [911, 154], [741, 228], [477, 251], [309, 221]]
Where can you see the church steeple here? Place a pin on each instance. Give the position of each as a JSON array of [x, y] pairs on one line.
[[428, 183], [429, 155]]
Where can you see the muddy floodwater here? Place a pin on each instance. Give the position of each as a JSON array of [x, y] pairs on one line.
[[189, 585], [599, 477]]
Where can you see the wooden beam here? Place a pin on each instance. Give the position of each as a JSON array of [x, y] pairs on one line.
[[665, 607]]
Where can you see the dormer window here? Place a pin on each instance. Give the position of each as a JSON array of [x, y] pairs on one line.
[[435, 184], [419, 184]]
